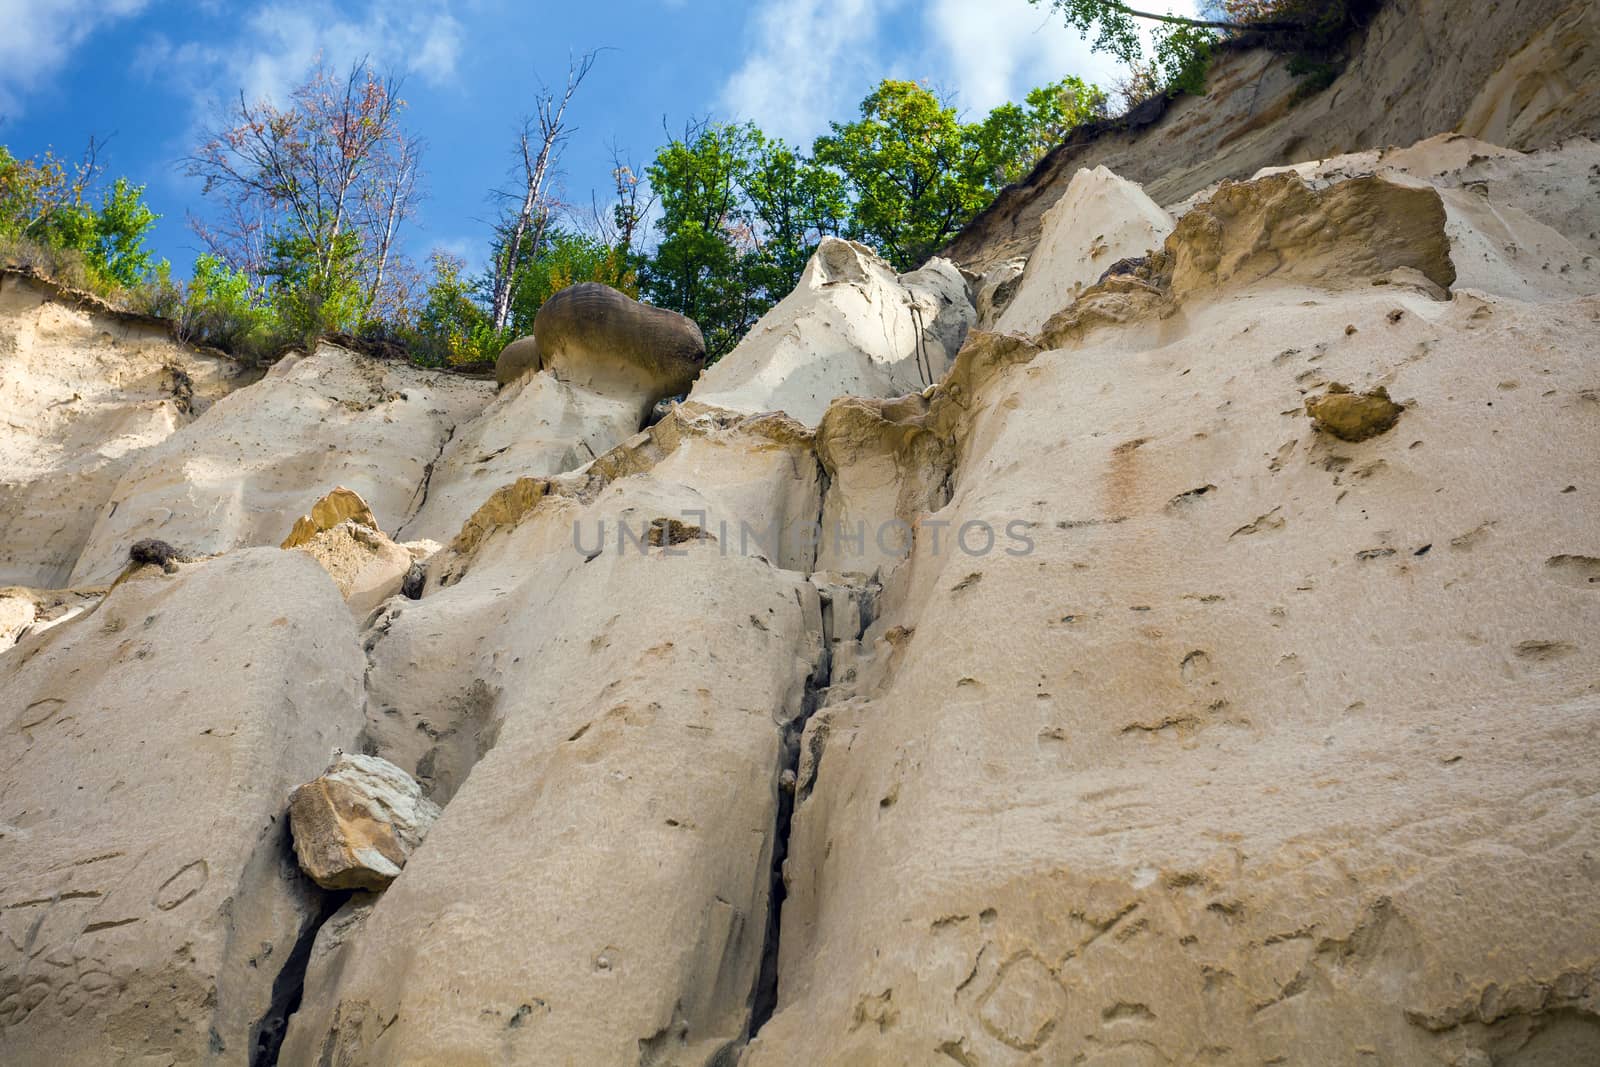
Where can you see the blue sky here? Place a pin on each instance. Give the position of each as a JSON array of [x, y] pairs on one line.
[[149, 74]]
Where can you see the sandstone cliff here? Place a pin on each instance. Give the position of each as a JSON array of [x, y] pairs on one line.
[[1202, 669], [1517, 73]]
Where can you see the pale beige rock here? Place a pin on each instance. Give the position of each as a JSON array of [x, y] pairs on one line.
[[995, 289], [355, 826], [1099, 220], [538, 426], [1230, 763], [850, 328], [1519, 74], [367, 567], [150, 893], [83, 392], [27, 611], [1519, 224], [607, 724], [261, 457]]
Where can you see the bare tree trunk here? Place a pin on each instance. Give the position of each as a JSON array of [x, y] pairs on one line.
[[398, 203], [536, 166]]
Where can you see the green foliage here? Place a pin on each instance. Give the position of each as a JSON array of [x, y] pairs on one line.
[[698, 268], [317, 289], [915, 173], [565, 258], [120, 226], [1016, 136], [45, 201], [220, 308], [452, 328]]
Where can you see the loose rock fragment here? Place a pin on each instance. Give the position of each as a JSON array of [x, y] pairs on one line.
[[356, 825]]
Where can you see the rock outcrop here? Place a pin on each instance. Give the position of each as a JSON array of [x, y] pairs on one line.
[[850, 328], [586, 381], [599, 339], [258, 459], [1200, 668], [151, 896], [637, 813], [84, 391], [1099, 221], [1128, 795], [1518, 74]]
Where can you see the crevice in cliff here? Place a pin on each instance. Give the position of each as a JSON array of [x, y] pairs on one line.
[[420, 495], [266, 1036], [764, 999]]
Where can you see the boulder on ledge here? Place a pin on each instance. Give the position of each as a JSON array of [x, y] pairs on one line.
[[595, 337], [356, 825]]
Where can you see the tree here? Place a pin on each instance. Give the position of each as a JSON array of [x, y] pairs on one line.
[[705, 228], [1014, 137], [1182, 45], [49, 202], [540, 142], [313, 194]]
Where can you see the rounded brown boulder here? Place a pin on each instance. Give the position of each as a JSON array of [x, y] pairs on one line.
[[594, 336]]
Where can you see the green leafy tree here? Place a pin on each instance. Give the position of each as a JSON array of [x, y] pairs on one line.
[[116, 246], [794, 202], [914, 172], [452, 327], [48, 201], [699, 268], [566, 258], [1016, 136]]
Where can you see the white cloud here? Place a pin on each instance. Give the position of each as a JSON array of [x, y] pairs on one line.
[[278, 44], [809, 61], [997, 51], [36, 39]]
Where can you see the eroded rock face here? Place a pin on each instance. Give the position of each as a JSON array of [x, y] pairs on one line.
[[1514, 74], [340, 505], [1100, 220], [1203, 656], [532, 692], [851, 328], [594, 337], [260, 458], [83, 392], [357, 823], [150, 893], [1130, 795]]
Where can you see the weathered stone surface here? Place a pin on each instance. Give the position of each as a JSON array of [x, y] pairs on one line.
[[1230, 760], [150, 893], [83, 392], [355, 826], [537, 427], [598, 339], [1098, 221], [1281, 228], [614, 720], [366, 565], [261, 457], [1518, 74], [850, 328], [24, 611]]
